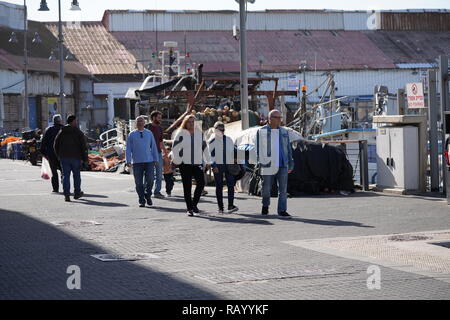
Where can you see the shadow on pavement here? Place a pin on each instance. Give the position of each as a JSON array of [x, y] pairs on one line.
[[181, 199], [334, 222], [99, 204], [165, 209], [34, 257], [233, 220], [95, 196]]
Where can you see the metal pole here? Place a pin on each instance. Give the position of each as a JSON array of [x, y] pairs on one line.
[[433, 133], [25, 55], [61, 64], [363, 167], [443, 77], [244, 79]]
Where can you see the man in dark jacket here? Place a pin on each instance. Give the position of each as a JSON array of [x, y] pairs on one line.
[[48, 140], [70, 148]]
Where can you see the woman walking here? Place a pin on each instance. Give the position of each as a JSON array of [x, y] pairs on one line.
[[188, 145], [221, 151]]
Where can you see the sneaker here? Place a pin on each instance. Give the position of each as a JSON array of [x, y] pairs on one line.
[[159, 195], [169, 194], [142, 205], [195, 209], [55, 191], [190, 213], [265, 211], [149, 201], [220, 211], [78, 195], [284, 215], [232, 209], [67, 198]]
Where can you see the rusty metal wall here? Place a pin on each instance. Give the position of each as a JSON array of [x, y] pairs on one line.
[[408, 21]]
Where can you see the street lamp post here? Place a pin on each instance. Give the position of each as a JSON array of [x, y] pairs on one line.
[[74, 7], [25, 55]]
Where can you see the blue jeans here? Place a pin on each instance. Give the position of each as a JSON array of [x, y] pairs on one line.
[[69, 165], [143, 178], [218, 178], [159, 174], [282, 178]]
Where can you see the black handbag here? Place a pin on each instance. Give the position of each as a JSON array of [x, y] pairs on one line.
[[234, 169]]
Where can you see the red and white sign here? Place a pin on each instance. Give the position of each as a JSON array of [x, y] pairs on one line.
[[414, 93]]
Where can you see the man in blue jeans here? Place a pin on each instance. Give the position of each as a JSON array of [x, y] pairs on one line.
[[155, 127], [143, 154], [70, 148], [274, 155]]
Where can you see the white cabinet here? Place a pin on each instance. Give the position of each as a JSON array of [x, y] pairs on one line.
[[398, 157]]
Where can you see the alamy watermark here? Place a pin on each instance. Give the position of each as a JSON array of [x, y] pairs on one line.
[[374, 280], [74, 280]]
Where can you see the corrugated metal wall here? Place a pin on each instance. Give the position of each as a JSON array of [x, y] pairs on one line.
[[352, 83], [279, 20], [193, 21], [11, 15], [37, 84]]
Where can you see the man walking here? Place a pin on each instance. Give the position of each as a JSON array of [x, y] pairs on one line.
[[70, 148], [281, 162], [47, 150], [142, 153], [155, 127]]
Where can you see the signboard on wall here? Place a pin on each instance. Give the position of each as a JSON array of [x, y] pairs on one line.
[[414, 93], [52, 104]]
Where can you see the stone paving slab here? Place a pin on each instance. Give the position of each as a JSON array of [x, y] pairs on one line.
[[210, 256]]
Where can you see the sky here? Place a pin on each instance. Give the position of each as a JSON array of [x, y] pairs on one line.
[[92, 10]]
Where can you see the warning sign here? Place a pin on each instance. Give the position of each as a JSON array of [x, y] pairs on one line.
[[414, 92]]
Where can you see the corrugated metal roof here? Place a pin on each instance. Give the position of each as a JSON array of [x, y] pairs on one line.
[[13, 62], [281, 50], [97, 49], [411, 46]]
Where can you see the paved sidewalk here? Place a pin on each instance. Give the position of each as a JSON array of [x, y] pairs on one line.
[[210, 256]]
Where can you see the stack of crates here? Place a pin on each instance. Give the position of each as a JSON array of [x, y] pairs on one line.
[[17, 151], [3, 152]]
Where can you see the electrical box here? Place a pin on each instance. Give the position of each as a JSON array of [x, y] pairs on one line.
[[398, 157]]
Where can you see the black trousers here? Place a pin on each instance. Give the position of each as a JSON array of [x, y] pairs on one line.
[[169, 179], [189, 171], [54, 166]]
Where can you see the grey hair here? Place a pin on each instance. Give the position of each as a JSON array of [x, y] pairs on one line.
[[57, 118], [140, 117], [219, 124], [271, 113]]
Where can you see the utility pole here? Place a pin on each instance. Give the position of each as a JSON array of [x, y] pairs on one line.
[[444, 79], [25, 61], [433, 133], [243, 52]]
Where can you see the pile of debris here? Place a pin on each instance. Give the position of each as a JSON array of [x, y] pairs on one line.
[[107, 160]]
